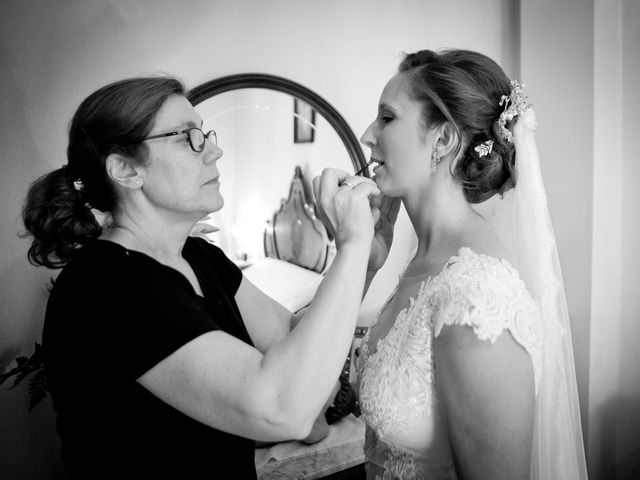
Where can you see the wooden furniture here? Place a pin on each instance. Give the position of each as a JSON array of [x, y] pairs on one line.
[[295, 233], [339, 456]]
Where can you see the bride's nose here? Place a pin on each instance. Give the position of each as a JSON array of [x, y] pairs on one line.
[[368, 137]]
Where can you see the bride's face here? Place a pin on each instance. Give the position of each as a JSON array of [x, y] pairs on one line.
[[399, 141]]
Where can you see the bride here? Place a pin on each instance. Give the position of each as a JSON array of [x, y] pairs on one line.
[[468, 371]]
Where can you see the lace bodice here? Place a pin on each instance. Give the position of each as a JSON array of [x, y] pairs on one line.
[[406, 437]]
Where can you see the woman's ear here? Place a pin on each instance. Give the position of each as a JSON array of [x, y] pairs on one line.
[[446, 140], [123, 172]]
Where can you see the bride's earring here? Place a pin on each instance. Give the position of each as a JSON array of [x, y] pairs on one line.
[[435, 160]]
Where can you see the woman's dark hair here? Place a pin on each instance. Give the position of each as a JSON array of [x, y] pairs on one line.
[[114, 119], [465, 88]]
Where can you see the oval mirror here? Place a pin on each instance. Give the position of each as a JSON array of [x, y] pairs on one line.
[[271, 130]]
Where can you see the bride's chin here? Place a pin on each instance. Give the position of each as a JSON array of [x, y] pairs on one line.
[[379, 182], [383, 189]]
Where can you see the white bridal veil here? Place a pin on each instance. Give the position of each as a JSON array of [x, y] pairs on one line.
[[521, 219]]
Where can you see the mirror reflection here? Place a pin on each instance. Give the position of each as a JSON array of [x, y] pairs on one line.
[[266, 135]]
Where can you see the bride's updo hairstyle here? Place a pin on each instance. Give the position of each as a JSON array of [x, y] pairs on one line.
[[465, 88], [114, 119]]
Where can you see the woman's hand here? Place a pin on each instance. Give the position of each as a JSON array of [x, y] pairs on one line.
[[202, 229], [343, 205], [387, 213]]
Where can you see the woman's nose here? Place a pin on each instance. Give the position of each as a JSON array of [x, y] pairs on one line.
[[368, 137], [212, 153]]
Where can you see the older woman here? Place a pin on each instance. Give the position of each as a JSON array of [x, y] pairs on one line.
[[163, 360]]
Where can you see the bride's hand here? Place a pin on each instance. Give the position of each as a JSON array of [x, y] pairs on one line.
[[387, 211], [202, 229]]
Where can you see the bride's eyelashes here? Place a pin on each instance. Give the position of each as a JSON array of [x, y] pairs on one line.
[[385, 117]]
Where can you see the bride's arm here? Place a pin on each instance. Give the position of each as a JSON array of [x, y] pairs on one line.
[[486, 393]]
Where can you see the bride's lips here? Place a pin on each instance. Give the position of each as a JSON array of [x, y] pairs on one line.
[[213, 181], [380, 163]]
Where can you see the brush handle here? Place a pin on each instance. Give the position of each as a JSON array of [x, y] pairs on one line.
[[359, 172]]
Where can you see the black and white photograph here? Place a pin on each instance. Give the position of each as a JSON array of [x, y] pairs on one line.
[[319, 240]]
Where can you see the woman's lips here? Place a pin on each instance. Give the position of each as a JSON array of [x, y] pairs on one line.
[[378, 166]]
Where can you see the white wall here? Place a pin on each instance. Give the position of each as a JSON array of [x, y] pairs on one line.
[[628, 439], [606, 299], [614, 384], [53, 53]]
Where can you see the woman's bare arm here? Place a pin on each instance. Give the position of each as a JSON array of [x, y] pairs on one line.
[[234, 387], [267, 321], [486, 393]]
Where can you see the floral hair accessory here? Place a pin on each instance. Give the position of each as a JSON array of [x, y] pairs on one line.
[[484, 148], [515, 104]]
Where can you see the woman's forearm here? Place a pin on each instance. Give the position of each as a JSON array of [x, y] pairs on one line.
[[303, 368]]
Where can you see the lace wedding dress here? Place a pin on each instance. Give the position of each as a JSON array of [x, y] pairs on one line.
[[405, 436]]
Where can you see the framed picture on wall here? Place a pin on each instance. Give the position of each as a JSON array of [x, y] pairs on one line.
[[304, 121]]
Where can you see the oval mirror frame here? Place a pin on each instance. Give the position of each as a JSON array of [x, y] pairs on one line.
[[271, 82]]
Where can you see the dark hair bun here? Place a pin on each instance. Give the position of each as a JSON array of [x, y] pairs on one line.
[[57, 216], [483, 176]]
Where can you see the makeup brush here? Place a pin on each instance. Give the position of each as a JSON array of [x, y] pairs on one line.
[[359, 172]]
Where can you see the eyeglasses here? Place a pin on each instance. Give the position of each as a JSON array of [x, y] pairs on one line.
[[196, 137]]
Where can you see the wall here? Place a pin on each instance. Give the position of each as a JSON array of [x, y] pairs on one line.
[[628, 440], [54, 53], [606, 299], [614, 386]]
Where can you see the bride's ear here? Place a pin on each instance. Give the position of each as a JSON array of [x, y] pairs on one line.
[[123, 171], [446, 140]]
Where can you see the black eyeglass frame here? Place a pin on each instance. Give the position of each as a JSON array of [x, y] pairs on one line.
[[210, 135]]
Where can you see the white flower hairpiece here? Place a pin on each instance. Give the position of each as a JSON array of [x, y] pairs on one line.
[[484, 148], [515, 104]]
